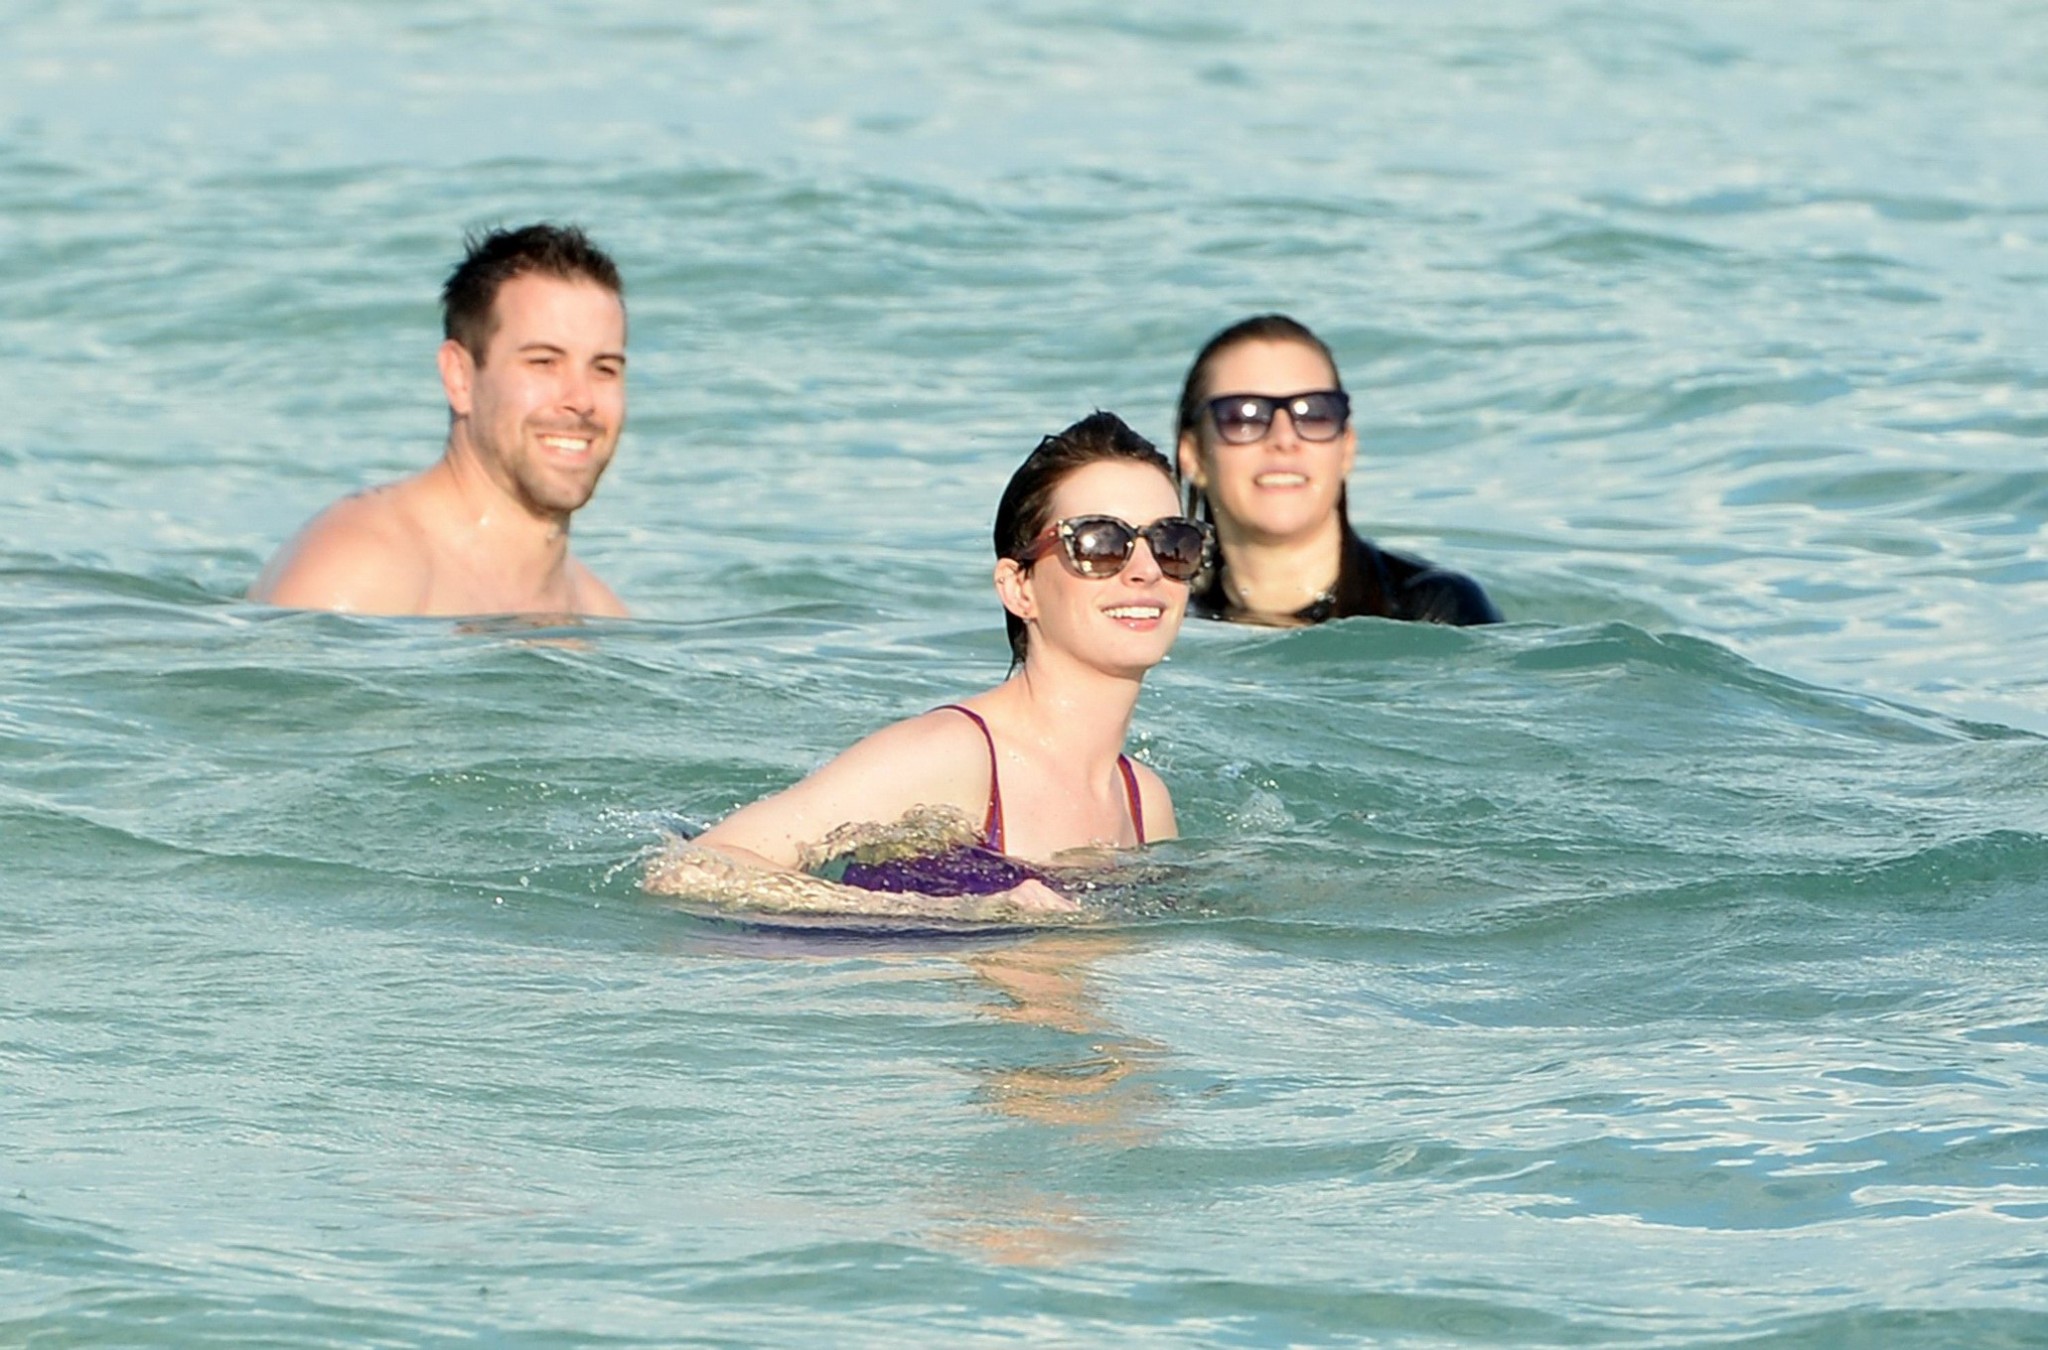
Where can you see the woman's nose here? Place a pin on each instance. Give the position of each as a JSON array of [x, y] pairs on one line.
[[1288, 439], [1143, 567]]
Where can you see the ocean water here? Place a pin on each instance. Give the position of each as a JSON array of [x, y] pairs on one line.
[[1663, 968]]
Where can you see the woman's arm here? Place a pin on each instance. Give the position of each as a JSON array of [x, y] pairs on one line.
[[933, 760], [712, 875], [752, 857]]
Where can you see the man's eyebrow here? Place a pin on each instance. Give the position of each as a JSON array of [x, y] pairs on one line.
[[542, 345]]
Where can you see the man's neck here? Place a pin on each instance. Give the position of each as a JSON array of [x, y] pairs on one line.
[[493, 547], [479, 503]]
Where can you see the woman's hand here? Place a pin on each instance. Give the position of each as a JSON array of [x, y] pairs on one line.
[[1032, 896]]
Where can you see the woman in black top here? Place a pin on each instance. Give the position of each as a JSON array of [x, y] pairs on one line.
[[1266, 443]]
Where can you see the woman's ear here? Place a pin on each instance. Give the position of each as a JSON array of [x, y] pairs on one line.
[[1191, 461], [1013, 588]]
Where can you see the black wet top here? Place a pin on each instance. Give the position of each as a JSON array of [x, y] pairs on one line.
[[1373, 581]]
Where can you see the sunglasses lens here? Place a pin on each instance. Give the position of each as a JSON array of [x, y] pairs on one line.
[[1177, 545], [1102, 546], [1244, 418], [1318, 417], [1099, 545], [1240, 421]]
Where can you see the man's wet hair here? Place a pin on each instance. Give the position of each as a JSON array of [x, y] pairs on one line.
[[493, 257], [1026, 507]]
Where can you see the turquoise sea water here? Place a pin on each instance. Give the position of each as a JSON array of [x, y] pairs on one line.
[[1664, 968]]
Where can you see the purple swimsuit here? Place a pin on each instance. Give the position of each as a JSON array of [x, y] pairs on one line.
[[974, 869]]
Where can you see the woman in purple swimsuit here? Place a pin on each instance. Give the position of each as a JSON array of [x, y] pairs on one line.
[[1093, 562]]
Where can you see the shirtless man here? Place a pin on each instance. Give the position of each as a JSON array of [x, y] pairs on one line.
[[534, 367]]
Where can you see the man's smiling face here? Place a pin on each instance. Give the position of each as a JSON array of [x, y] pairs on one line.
[[544, 408]]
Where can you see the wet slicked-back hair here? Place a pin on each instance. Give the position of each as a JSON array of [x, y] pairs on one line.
[[1195, 392], [492, 258], [1026, 507]]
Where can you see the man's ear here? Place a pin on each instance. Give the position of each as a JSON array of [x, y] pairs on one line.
[[1191, 461], [1013, 588], [458, 375]]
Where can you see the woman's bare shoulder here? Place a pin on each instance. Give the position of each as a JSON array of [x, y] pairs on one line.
[[933, 759], [1157, 800], [935, 739]]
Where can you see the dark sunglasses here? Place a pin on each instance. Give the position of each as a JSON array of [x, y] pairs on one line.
[[1101, 546], [1319, 415]]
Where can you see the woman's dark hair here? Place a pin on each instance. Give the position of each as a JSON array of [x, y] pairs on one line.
[[1195, 392], [1026, 507], [492, 258]]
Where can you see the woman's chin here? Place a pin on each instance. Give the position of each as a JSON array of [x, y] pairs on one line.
[[1284, 521], [1137, 652]]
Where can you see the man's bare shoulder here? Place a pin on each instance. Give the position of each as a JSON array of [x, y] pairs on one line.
[[592, 596], [366, 554]]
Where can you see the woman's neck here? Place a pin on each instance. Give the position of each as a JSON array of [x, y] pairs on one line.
[[1280, 576], [1063, 707]]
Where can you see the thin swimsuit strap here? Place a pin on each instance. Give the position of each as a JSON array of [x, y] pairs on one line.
[[1123, 764], [992, 821]]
